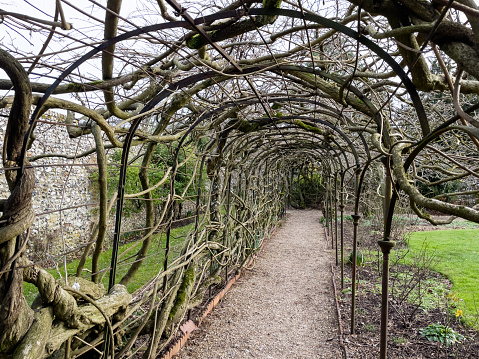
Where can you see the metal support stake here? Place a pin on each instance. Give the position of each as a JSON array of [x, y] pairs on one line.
[[386, 247], [330, 212], [331, 219], [326, 210], [356, 218], [341, 208], [226, 234], [197, 204], [336, 216]]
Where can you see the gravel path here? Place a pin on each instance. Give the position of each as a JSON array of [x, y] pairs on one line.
[[283, 308]]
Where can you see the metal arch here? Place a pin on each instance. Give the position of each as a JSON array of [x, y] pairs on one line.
[[258, 134], [192, 79], [353, 89], [330, 111], [301, 69], [339, 147], [295, 99], [314, 153], [311, 148], [366, 42], [337, 151], [324, 122], [333, 113], [305, 149], [238, 14], [333, 127]]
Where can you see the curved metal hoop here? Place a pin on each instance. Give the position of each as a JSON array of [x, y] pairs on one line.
[[174, 87]]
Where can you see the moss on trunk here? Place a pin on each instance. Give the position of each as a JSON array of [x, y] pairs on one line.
[[33, 344], [184, 294]]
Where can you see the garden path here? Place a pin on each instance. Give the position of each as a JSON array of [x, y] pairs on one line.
[[283, 308]]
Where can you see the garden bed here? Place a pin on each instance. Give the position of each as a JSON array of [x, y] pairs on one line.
[[418, 297]]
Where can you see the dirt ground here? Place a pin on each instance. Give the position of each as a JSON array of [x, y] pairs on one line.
[[283, 308], [406, 318]]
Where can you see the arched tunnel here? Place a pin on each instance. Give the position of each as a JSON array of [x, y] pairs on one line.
[[218, 115]]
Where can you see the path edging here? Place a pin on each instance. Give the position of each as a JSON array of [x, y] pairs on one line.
[[189, 326]]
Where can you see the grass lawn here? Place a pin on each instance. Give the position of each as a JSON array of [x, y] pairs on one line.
[[458, 254], [151, 265]]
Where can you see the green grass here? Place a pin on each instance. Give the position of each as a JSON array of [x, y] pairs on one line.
[[458, 254], [151, 266]]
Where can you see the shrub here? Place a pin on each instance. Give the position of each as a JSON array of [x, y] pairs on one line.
[[443, 334]]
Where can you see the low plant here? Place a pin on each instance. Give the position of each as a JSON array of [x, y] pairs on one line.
[[370, 327], [442, 334], [399, 340], [411, 287], [359, 258], [346, 217]]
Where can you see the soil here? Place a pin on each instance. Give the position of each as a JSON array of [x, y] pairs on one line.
[[405, 319]]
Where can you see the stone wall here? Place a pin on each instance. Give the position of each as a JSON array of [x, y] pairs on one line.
[[63, 199]]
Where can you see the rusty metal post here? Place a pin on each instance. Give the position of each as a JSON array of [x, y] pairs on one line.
[[356, 218], [198, 197], [326, 209], [226, 234], [341, 208], [336, 215], [386, 245], [388, 191], [330, 212]]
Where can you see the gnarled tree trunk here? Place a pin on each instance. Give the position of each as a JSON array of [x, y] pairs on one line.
[[15, 315]]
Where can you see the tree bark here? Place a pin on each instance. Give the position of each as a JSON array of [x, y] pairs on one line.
[[15, 315]]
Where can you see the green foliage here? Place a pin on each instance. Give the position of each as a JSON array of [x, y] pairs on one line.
[[399, 340], [437, 189], [443, 334], [346, 217], [369, 327], [161, 161], [359, 258], [307, 189]]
